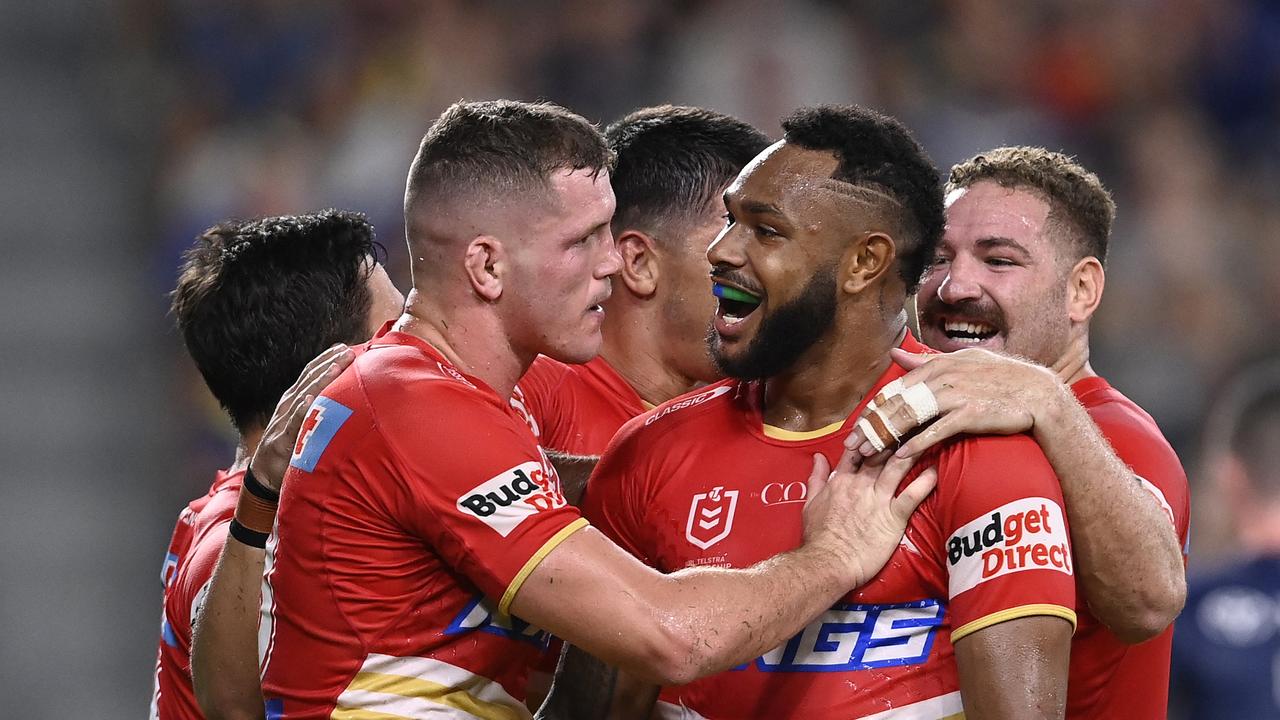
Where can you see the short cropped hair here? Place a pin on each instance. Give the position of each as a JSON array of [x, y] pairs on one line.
[[502, 147], [1245, 422], [673, 160], [1077, 200], [256, 300], [879, 152]]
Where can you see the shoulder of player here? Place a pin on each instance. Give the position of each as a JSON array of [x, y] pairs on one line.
[[394, 372], [696, 408], [1017, 454]]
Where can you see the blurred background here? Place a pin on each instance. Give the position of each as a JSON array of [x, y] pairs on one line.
[[128, 127]]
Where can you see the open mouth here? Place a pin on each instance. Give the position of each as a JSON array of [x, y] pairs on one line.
[[735, 304], [968, 331]]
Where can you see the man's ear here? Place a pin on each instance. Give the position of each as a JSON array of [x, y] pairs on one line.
[[485, 263], [1084, 289], [639, 262], [866, 261]]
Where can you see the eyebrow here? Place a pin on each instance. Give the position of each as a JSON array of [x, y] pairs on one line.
[[761, 208], [1003, 242]]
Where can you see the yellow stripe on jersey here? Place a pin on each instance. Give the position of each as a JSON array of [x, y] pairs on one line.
[[433, 692], [504, 606], [1014, 613], [778, 433]]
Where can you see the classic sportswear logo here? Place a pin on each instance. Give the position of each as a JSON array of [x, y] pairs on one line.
[[711, 517], [324, 418], [507, 499], [1026, 534], [688, 402]]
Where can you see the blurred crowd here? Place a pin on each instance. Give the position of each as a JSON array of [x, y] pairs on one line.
[[285, 106]]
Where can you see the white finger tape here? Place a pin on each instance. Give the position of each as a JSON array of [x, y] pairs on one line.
[[921, 400], [869, 432]]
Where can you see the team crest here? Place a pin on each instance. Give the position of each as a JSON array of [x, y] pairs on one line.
[[711, 517]]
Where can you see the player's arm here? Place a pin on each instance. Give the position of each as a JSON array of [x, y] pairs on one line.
[[673, 629], [1015, 669], [224, 644], [224, 648], [1128, 555]]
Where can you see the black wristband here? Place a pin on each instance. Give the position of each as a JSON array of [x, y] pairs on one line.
[[253, 485], [252, 538]]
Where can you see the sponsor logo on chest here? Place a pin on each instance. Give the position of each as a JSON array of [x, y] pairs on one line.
[[1026, 534], [860, 637], [507, 499]]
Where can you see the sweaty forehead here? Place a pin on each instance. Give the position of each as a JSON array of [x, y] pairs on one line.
[[988, 210], [785, 173]]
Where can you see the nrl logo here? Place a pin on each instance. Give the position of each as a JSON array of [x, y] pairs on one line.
[[711, 517]]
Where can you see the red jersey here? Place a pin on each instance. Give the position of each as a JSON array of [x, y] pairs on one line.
[[1110, 679], [701, 480], [416, 504], [577, 408], [188, 568]]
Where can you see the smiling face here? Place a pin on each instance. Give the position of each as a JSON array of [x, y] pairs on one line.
[[998, 281], [774, 264], [560, 268]]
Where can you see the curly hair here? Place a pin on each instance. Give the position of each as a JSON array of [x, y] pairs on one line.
[[256, 300], [1077, 199], [673, 160], [878, 151]]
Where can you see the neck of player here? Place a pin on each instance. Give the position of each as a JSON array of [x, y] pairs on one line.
[[249, 439], [470, 337], [828, 381], [633, 346]]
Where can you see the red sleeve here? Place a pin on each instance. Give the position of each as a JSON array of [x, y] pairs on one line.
[[614, 498], [1138, 443], [191, 582], [541, 399], [1008, 548], [477, 487]]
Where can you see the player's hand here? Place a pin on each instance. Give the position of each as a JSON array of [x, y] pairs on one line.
[[975, 391], [854, 513], [272, 457]]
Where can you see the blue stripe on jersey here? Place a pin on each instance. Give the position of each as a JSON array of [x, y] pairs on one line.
[[324, 418]]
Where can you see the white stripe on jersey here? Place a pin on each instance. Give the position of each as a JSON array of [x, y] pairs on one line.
[[418, 687], [1151, 488], [943, 707]]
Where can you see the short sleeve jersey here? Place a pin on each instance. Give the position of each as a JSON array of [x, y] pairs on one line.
[[188, 567], [416, 504], [577, 408], [1226, 651], [701, 480], [1110, 679]]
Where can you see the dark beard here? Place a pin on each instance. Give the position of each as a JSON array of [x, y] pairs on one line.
[[785, 334]]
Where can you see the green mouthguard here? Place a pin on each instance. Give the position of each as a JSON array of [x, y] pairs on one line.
[[731, 293]]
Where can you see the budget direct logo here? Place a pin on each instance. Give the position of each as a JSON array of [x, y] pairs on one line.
[[1026, 534], [506, 500]]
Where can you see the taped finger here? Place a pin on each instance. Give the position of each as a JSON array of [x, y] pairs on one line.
[[922, 401]]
